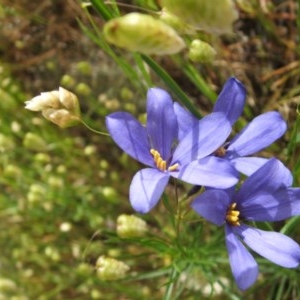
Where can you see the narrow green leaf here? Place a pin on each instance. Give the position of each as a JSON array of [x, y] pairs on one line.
[[102, 9], [169, 81]]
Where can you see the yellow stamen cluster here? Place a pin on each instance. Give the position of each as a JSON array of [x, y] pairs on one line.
[[160, 163], [232, 216]]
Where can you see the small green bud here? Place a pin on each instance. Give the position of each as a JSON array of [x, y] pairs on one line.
[[143, 33], [110, 268], [84, 269], [52, 253], [130, 226], [43, 158], [12, 171], [55, 182], [126, 94], [212, 16], [104, 164], [36, 193], [67, 81], [83, 89], [109, 193], [6, 143], [7, 285], [34, 142], [200, 51], [61, 169], [84, 67]]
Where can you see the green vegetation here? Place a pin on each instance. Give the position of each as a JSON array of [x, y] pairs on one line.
[[62, 190]]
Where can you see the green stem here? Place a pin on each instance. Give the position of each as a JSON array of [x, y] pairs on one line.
[[92, 129], [170, 286]]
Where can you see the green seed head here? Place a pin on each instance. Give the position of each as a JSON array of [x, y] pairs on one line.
[[214, 16], [143, 33]]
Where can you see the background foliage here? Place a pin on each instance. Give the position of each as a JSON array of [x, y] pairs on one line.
[[62, 190]]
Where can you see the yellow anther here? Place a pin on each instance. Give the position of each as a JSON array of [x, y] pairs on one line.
[[160, 163], [155, 154], [234, 213], [173, 167], [232, 216]]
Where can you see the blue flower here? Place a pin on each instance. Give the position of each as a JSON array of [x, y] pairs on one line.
[[262, 197], [230, 101], [158, 146], [261, 132]]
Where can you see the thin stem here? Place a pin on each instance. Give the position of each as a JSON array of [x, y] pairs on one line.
[[92, 129], [178, 211], [170, 286]]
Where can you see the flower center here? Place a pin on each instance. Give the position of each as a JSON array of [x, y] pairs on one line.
[[220, 152], [160, 163], [232, 216]]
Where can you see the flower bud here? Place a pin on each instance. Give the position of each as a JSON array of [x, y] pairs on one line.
[[200, 51], [110, 268], [7, 285], [130, 226], [34, 142], [6, 143], [212, 16], [60, 107], [36, 193], [175, 22], [143, 33]]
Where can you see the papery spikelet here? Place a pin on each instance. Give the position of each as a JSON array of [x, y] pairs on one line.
[[143, 33], [61, 117], [214, 16], [60, 107], [200, 51], [110, 269], [129, 226], [43, 101], [69, 101]]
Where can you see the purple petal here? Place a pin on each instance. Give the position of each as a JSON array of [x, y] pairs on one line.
[[130, 136], [162, 124], [249, 165], [274, 246], [185, 120], [280, 205], [212, 205], [266, 179], [258, 134], [209, 171], [146, 189], [231, 100], [243, 266], [203, 139]]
